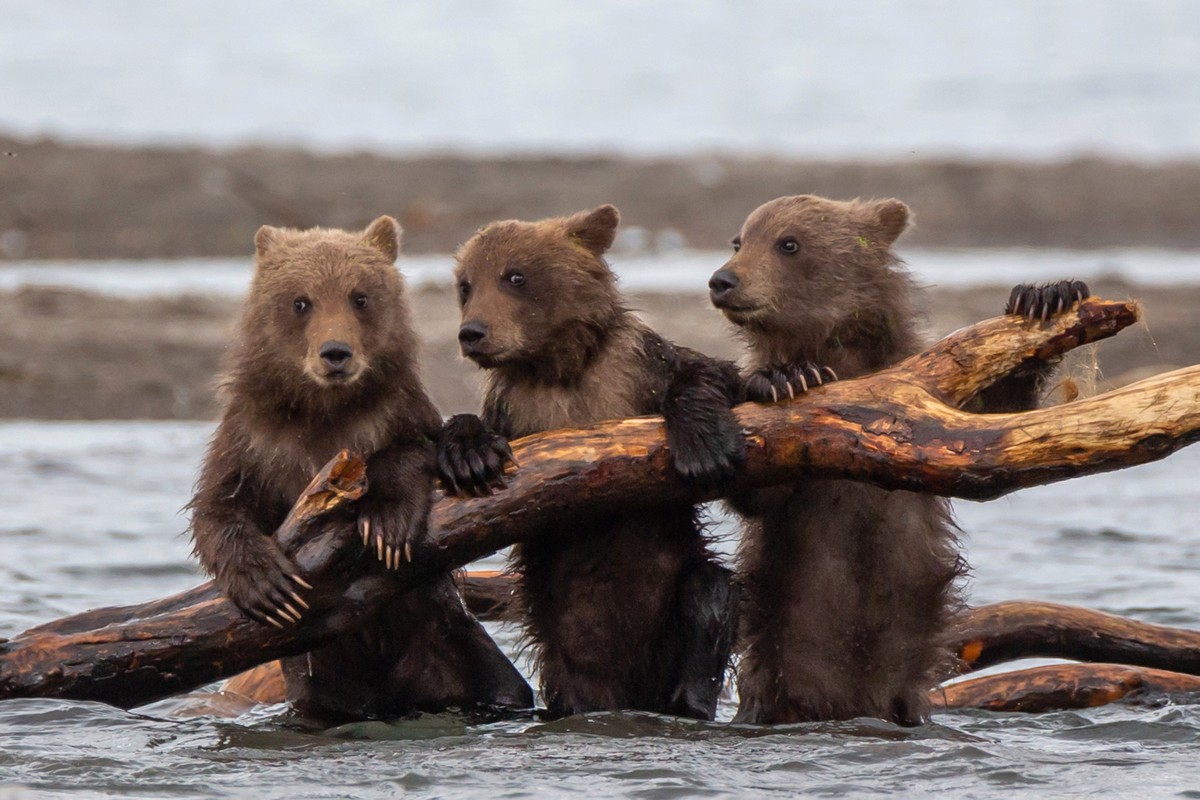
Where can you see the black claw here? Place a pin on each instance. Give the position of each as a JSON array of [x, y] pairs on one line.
[[1029, 302], [1045, 301], [478, 471], [1014, 299], [446, 472]]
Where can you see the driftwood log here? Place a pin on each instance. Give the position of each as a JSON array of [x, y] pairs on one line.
[[1062, 686], [899, 428], [1015, 629], [1143, 659]]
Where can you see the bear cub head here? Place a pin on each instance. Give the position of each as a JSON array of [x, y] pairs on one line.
[[804, 266], [326, 317], [537, 296]]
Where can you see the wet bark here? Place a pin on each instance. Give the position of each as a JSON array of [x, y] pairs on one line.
[[1011, 630]]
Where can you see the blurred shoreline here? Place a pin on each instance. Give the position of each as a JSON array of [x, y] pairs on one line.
[[66, 201], [69, 354]]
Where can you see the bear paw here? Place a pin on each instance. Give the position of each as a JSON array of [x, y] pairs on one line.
[[265, 587], [1047, 300], [391, 532], [772, 384], [470, 457], [706, 449]]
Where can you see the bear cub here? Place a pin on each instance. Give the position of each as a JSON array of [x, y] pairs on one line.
[[851, 588], [631, 609], [325, 359]]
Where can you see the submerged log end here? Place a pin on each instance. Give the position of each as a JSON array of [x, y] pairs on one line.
[[263, 684]]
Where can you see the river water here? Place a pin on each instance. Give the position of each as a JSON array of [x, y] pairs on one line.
[[803, 77], [91, 517]]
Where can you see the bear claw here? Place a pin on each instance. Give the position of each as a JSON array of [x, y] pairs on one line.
[[769, 384], [1047, 300], [388, 534], [264, 589]]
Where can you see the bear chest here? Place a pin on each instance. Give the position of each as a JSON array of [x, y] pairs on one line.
[[537, 407]]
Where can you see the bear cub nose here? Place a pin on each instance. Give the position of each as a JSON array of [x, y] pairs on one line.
[[721, 284], [336, 354], [472, 333]]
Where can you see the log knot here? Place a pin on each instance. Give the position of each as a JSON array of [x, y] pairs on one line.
[[897, 429]]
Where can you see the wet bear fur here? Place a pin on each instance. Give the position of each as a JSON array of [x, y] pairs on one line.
[[851, 588], [626, 610], [325, 359]]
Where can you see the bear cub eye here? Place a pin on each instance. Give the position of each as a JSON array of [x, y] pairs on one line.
[[515, 277], [464, 291], [736, 242], [359, 300], [302, 305], [788, 246]]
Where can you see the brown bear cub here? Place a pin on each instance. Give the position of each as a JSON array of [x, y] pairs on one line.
[[326, 360], [631, 610], [850, 587]]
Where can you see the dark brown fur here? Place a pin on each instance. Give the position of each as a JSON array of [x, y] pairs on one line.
[[291, 403], [850, 586], [631, 611]]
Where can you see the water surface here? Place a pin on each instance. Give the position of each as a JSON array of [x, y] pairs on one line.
[[90, 517]]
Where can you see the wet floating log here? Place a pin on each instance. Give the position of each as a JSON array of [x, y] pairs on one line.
[[1062, 686], [263, 684], [132, 655], [900, 428], [1007, 631]]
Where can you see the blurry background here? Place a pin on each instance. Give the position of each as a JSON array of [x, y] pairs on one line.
[[144, 142]]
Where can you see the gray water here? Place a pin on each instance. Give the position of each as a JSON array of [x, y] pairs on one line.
[[808, 77], [90, 517]]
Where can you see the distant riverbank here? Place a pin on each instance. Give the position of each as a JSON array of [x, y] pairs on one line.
[[80, 201]]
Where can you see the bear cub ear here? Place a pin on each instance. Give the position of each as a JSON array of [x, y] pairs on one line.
[[265, 239], [384, 235], [892, 218], [595, 229]]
